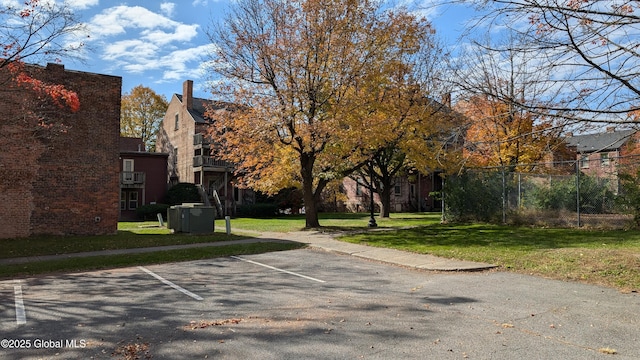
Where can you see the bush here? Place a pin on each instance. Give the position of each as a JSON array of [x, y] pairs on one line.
[[183, 193], [149, 212], [473, 196], [595, 197], [629, 197], [259, 210]]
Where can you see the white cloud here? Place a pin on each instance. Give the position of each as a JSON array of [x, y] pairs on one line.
[[130, 49], [117, 20], [181, 32], [82, 4], [135, 38], [199, 2], [137, 41], [168, 8]]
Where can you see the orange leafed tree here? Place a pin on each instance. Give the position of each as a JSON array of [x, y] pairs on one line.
[[587, 48], [499, 135], [37, 31], [301, 73]]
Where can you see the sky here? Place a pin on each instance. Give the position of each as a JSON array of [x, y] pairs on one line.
[[160, 44]]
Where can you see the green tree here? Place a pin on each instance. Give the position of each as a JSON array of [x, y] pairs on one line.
[[141, 113]]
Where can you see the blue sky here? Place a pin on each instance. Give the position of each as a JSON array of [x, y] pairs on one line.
[[159, 44]]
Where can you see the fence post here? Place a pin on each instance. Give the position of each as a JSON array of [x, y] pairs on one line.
[[519, 191], [504, 198], [578, 192], [442, 193]]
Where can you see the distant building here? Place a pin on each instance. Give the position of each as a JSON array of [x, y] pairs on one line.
[[183, 135], [598, 154], [60, 182], [414, 192], [143, 177]]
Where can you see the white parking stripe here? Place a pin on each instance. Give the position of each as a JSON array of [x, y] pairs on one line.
[[281, 270], [167, 282], [21, 315]]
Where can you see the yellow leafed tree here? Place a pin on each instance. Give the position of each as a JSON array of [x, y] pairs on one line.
[[302, 73]]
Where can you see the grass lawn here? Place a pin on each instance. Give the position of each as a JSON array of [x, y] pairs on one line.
[[604, 257], [158, 257], [610, 258], [130, 235]]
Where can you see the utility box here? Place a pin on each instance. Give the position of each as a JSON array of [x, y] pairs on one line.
[[193, 218]]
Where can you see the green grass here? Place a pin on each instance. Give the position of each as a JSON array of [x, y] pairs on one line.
[[130, 235], [158, 257], [605, 257], [337, 221], [609, 258]]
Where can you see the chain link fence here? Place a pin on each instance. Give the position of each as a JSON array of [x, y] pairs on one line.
[[586, 192]]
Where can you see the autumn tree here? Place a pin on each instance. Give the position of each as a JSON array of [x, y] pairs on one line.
[[586, 48], [414, 121], [302, 73], [501, 131], [37, 31], [142, 111]]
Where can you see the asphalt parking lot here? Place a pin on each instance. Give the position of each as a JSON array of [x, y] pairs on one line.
[[311, 304]]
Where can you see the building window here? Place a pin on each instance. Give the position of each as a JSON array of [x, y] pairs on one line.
[[584, 162], [133, 200], [177, 121], [397, 189], [604, 159], [358, 189], [127, 170]]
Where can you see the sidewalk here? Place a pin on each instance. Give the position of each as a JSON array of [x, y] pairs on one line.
[[313, 239], [325, 242]]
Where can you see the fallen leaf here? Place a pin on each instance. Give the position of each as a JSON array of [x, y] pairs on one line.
[[608, 351]]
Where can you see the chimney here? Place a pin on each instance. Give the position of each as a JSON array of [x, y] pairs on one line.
[[187, 94], [55, 67]]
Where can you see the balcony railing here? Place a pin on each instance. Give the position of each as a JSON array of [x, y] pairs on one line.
[[209, 162], [200, 139], [132, 178]]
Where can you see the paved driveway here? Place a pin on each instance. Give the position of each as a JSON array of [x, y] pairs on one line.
[[311, 304]]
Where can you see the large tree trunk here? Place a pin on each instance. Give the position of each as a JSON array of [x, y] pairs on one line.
[[309, 195], [385, 201]]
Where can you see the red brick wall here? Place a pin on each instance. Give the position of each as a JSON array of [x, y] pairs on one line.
[[61, 183]]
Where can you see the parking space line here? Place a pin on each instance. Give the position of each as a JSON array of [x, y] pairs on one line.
[[21, 315], [167, 282], [275, 268]]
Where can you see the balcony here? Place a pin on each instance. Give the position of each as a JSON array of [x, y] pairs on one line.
[[132, 179], [209, 162], [200, 140]]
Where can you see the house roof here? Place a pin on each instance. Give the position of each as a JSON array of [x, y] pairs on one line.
[[606, 141], [200, 107]]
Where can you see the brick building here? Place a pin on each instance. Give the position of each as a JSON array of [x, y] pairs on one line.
[[143, 177], [59, 179], [184, 136], [599, 153]]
